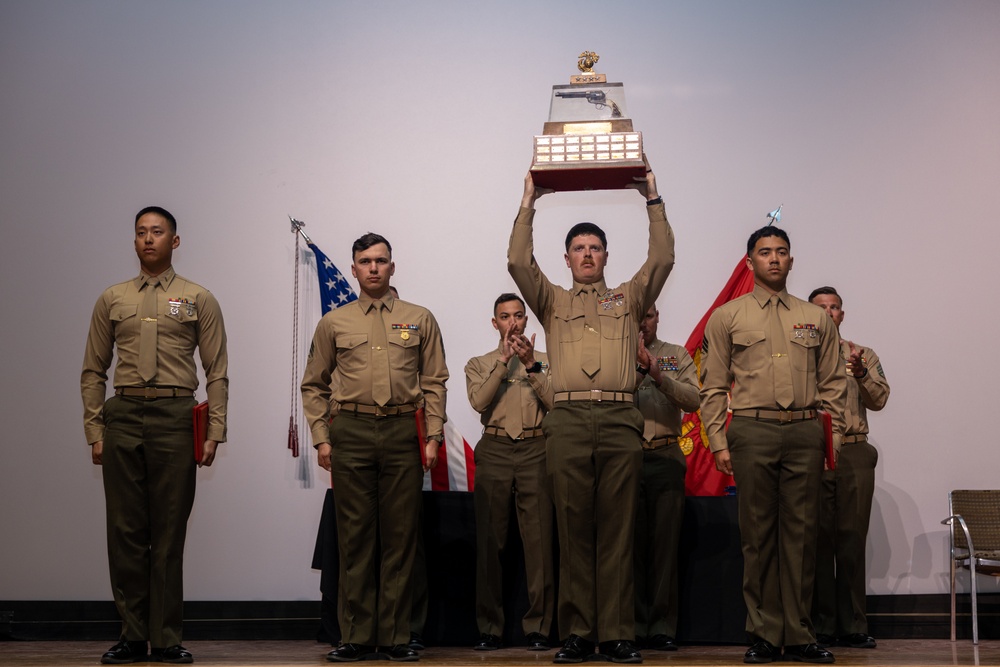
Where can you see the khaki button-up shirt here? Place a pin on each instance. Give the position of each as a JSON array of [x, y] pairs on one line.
[[868, 393], [340, 362], [561, 312], [488, 380], [662, 407], [188, 316], [736, 356]]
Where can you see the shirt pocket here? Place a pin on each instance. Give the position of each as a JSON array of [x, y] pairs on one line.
[[614, 323], [181, 311], [568, 324], [123, 318], [404, 352], [353, 353], [802, 347], [751, 353], [180, 324]]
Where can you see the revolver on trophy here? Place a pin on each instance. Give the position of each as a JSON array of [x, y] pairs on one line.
[[596, 97]]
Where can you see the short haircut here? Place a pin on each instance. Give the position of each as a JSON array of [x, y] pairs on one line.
[[763, 232], [162, 212], [504, 298], [584, 229], [825, 290], [367, 241]]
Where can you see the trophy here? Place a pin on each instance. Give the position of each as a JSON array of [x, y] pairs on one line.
[[588, 142]]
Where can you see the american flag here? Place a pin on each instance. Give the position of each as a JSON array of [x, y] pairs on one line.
[[334, 290]]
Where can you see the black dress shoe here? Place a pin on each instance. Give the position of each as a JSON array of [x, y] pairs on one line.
[[621, 651], [662, 643], [762, 651], [402, 653], [858, 640], [808, 653], [352, 653], [416, 642], [825, 640], [575, 649], [174, 655], [537, 642], [124, 653], [487, 643]]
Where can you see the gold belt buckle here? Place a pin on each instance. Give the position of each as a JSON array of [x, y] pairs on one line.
[[380, 411], [595, 395], [784, 416], [149, 392]]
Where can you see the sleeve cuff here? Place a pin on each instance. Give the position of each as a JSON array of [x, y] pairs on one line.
[[320, 434]]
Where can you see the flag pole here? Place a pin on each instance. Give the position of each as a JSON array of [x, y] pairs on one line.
[[297, 226], [772, 217], [293, 427]]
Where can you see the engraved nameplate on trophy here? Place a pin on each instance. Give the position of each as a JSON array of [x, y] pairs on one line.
[[588, 142]]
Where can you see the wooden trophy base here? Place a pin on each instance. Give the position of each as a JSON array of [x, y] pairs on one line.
[[601, 160]]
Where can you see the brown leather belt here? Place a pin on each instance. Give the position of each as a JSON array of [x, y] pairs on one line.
[[851, 439], [379, 410], [595, 395], [783, 416], [154, 392], [528, 432], [656, 443]]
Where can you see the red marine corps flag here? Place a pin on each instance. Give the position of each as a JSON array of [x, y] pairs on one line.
[[702, 478], [456, 466]]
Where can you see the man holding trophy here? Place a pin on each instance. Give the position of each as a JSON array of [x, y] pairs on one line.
[[594, 431]]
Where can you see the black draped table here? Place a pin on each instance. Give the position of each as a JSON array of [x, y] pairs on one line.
[[711, 572]]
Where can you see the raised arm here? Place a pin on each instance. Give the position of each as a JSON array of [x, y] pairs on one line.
[[531, 282], [649, 280], [541, 383], [680, 386], [873, 386]]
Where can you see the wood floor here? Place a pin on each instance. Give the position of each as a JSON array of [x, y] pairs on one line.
[[905, 652]]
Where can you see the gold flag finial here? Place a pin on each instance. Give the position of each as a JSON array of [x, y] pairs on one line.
[[586, 61]]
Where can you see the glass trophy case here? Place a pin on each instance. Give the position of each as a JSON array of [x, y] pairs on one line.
[[588, 142]]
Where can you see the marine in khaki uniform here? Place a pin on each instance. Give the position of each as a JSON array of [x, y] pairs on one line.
[[839, 602], [509, 388], [593, 432], [378, 358], [142, 437], [780, 358], [669, 387]]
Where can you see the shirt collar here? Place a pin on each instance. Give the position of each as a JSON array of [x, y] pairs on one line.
[[599, 287], [165, 278], [367, 302], [763, 296]]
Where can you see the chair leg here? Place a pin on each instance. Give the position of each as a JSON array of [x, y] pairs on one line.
[[975, 614], [953, 598]]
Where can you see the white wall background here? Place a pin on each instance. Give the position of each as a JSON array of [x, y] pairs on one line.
[[874, 123]]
